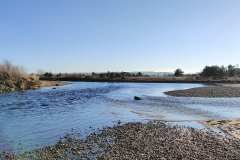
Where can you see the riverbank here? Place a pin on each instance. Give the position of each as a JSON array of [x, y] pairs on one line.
[[19, 84], [231, 127], [146, 79], [212, 91], [51, 83], [154, 140], [26, 84]]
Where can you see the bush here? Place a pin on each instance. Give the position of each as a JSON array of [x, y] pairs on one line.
[[217, 71], [178, 72], [14, 78], [11, 71], [48, 74], [231, 70]]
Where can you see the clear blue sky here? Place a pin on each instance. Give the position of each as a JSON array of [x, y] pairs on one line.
[[119, 35]]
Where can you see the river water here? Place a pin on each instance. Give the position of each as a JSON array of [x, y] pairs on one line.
[[37, 118]]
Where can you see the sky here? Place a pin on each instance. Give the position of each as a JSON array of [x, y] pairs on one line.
[[119, 35]]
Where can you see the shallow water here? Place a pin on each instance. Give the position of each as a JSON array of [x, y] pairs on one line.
[[33, 119]]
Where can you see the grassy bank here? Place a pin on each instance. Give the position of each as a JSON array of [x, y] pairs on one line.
[[153, 140], [14, 78]]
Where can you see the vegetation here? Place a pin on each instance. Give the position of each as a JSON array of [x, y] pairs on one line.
[[209, 74], [214, 71], [14, 78], [88, 76], [178, 72], [220, 71]]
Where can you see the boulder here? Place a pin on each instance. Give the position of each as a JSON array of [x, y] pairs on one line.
[[137, 98]]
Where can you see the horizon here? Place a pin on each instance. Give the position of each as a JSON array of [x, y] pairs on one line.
[[138, 35]]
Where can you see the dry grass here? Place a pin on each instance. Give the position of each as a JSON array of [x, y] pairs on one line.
[[12, 71], [14, 77]]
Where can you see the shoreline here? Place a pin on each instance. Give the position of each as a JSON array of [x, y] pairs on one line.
[[37, 85], [230, 127], [44, 83], [146, 80], [212, 91], [152, 140]]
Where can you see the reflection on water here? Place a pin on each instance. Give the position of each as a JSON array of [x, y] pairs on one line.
[[36, 118]]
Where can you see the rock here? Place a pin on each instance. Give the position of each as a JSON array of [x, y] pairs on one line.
[[54, 88], [119, 122], [137, 98]]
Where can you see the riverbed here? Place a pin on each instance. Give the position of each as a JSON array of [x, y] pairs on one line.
[[37, 118]]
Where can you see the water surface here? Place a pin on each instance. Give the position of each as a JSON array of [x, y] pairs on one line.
[[37, 118]]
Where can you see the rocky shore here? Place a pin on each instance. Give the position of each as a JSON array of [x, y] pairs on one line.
[[154, 140], [231, 127], [209, 91]]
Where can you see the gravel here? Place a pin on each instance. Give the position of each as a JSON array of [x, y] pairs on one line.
[[211, 91], [154, 140]]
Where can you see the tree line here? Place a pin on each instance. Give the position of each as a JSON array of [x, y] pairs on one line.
[[220, 71], [93, 75], [215, 71]]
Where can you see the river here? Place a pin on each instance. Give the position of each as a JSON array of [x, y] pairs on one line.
[[36, 118]]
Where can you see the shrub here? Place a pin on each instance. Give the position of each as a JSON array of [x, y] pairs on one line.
[[11, 71], [178, 72], [231, 70], [13, 77], [215, 71], [48, 74]]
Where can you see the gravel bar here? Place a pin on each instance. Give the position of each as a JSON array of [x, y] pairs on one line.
[[153, 140], [211, 91]]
